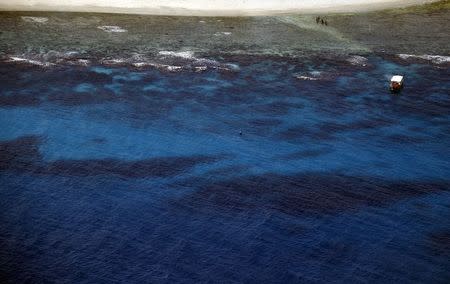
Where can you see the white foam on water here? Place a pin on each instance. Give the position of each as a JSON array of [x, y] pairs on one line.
[[232, 66], [314, 76], [207, 61], [171, 68], [50, 58], [222, 33], [30, 19], [202, 22], [189, 55], [358, 60], [114, 61], [70, 53], [307, 78], [140, 64], [75, 58], [112, 29], [140, 61], [29, 61], [180, 54], [200, 68], [315, 73], [436, 59], [83, 62], [174, 68]]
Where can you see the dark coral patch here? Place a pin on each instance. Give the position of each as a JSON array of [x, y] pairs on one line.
[[98, 140], [18, 100], [440, 243], [20, 154], [304, 132], [313, 194], [405, 139], [276, 108], [328, 130], [265, 122], [23, 154], [84, 98], [314, 153], [157, 167]]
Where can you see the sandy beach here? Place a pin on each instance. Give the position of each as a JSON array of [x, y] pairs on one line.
[[207, 8]]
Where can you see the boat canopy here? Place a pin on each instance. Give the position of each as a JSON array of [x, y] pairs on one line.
[[397, 79]]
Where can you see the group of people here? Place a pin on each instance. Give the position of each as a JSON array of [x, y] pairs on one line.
[[321, 21]]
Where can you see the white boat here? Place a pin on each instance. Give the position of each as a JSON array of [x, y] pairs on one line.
[[396, 83]]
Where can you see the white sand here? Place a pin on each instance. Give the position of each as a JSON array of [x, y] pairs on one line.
[[206, 7]]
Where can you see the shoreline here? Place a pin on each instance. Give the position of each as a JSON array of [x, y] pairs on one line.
[[325, 6], [42, 36]]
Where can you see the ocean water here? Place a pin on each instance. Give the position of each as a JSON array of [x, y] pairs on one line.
[[141, 175], [180, 166]]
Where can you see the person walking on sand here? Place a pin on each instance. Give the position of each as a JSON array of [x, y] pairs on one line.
[[317, 19], [322, 21]]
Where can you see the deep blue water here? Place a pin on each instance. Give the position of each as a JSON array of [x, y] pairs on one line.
[[119, 174]]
